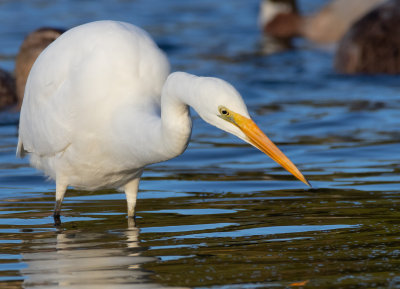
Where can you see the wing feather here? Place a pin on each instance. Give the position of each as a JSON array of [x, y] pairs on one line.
[[71, 92]]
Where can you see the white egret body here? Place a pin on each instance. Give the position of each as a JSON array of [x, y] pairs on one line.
[[99, 106]]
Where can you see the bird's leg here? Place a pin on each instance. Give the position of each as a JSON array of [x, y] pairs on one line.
[[60, 192], [131, 190]]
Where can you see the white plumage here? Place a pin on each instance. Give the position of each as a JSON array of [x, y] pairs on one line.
[[100, 105]]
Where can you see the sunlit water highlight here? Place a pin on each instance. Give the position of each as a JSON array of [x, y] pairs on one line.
[[222, 215]]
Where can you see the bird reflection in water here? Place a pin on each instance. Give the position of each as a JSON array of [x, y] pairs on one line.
[[88, 260]]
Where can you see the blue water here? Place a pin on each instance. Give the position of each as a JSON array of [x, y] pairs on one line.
[[222, 215]]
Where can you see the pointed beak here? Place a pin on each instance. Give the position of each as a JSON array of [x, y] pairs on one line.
[[258, 139]]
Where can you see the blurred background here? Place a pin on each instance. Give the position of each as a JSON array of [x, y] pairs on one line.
[[319, 80]]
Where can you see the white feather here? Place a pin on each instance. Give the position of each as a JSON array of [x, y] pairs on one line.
[[91, 111], [98, 108]]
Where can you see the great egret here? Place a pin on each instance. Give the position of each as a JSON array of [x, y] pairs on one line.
[[279, 18], [99, 106], [12, 90]]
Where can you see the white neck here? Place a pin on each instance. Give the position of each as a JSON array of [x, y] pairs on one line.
[[157, 133], [164, 133], [176, 123]]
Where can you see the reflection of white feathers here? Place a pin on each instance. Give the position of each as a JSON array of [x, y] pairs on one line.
[[78, 262]]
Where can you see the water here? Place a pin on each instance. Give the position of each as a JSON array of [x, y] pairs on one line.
[[222, 215]]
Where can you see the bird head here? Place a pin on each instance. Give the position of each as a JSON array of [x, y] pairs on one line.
[[220, 104]]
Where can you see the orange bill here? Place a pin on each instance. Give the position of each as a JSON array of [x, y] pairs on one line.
[[264, 144]]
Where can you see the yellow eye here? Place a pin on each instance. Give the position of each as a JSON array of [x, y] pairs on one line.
[[223, 111]]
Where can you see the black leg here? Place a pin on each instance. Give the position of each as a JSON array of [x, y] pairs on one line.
[[57, 220], [56, 215]]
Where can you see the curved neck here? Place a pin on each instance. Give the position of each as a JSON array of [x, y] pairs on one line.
[[176, 123]]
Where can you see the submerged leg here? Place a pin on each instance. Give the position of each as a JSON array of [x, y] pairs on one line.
[[131, 190], [60, 192]]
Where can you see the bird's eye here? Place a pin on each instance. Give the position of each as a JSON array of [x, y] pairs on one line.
[[224, 111]]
